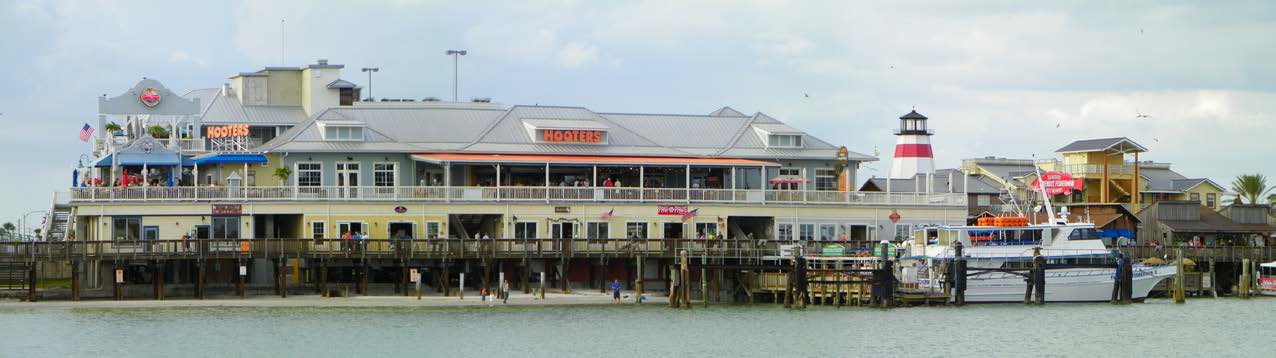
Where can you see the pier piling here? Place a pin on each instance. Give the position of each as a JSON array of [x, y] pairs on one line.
[[638, 282], [118, 280], [157, 279], [75, 281]]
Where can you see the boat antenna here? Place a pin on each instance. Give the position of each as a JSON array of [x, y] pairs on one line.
[[1041, 187]]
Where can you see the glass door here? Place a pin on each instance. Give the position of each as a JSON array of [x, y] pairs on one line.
[[348, 179]]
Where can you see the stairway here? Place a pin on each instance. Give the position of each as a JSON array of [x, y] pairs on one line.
[[58, 220]]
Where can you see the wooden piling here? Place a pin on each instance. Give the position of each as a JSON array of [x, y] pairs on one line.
[[404, 278], [323, 278], [542, 290], [1178, 294], [32, 281], [75, 281], [460, 287], [363, 278], [117, 278], [674, 290], [704, 286], [638, 282], [282, 277], [959, 275], [199, 279], [1244, 283], [157, 279], [1039, 277], [1127, 280]]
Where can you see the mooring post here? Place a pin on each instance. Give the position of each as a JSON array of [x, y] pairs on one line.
[[460, 287], [1178, 279], [1039, 275], [199, 279], [157, 278], [1245, 279], [1127, 280], [32, 278], [420, 276], [685, 273], [282, 276], [542, 290], [959, 274], [638, 282], [323, 278], [75, 281], [1213, 280], [674, 290], [363, 278]]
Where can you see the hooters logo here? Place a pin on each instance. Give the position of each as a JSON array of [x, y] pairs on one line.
[[150, 97], [571, 136]]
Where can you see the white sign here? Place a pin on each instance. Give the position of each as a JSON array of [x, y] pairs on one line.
[[119, 276], [414, 276], [243, 270], [787, 250]]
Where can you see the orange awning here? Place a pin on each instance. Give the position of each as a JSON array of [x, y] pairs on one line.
[[585, 159]]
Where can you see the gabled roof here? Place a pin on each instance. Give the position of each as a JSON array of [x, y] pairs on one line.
[[340, 83], [1121, 144], [912, 115], [1188, 184], [727, 112], [978, 184]]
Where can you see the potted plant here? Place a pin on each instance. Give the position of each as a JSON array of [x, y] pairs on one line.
[[283, 173], [114, 129]]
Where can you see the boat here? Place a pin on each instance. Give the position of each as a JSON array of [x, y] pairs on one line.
[[1008, 247], [996, 246], [1267, 279]]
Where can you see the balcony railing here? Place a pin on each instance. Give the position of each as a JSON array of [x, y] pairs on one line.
[[1097, 169], [507, 194]]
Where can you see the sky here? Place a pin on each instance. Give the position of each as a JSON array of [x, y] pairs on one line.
[[997, 78]]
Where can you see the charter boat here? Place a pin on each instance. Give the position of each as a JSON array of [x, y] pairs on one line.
[[1012, 243], [1267, 279]]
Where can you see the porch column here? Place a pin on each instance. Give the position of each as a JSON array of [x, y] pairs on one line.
[[498, 181], [546, 181], [447, 181], [642, 182], [762, 171], [733, 186], [244, 182], [688, 183], [1103, 187], [1134, 183], [145, 173], [195, 181]]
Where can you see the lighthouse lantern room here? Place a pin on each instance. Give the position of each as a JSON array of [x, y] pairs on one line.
[[912, 147]]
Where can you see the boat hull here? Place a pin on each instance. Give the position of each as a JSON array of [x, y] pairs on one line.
[[1064, 285]]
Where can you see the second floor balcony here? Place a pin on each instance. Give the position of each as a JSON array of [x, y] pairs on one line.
[[1096, 170], [506, 194]]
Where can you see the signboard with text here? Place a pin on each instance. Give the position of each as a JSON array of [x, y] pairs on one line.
[[572, 136], [671, 210], [227, 209], [1056, 183]]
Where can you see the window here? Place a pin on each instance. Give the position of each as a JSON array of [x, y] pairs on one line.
[[318, 230], [1195, 197], [784, 141], [309, 174], [342, 133], [1211, 200], [983, 200], [126, 228], [383, 174], [828, 232], [902, 232], [706, 229], [598, 230], [825, 179], [785, 232], [806, 232], [525, 230], [226, 227], [432, 230], [1083, 234], [636, 230], [786, 175]]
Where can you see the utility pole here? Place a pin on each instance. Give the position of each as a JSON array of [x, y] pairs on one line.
[[456, 58], [370, 70]]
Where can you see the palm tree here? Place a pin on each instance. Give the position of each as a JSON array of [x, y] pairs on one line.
[[158, 132], [7, 231], [1251, 186], [113, 127], [1271, 199]]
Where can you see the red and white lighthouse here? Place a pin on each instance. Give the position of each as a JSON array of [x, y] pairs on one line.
[[912, 147]]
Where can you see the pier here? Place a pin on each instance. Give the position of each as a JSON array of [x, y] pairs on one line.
[[745, 271]]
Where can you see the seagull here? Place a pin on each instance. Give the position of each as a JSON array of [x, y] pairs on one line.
[[1138, 114], [806, 95], [1156, 140], [892, 67], [1057, 125]]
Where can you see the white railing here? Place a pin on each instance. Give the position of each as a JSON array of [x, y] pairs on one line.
[[1097, 169], [186, 144], [509, 194]]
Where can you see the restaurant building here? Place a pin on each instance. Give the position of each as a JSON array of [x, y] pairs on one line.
[[288, 152]]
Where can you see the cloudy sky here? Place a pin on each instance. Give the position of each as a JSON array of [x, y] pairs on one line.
[[996, 78]]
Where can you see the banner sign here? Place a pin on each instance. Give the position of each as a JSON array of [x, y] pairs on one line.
[[671, 210], [227, 209], [1056, 183]]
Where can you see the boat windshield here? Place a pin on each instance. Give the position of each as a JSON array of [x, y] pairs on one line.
[[1006, 237]]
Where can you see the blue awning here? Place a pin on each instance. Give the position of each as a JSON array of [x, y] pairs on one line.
[[229, 158], [140, 159]]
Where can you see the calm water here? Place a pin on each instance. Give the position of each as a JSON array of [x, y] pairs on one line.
[[1203, 327]]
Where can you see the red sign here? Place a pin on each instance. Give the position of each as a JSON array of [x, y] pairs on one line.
[[671, 210], [572, 136], [227, 209], [894, 217], [1055, 183], [149, 97]]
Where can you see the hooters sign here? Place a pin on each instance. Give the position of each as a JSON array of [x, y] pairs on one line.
[[571, 136], [150, 97], [233, 130], [1056, 183]]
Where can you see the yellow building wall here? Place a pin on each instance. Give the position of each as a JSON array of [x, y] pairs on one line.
[[284, 88], [170, 227], [1204, 190]]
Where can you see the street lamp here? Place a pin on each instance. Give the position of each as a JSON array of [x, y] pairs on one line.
[[456, 56], [22, 225], [370, 70]]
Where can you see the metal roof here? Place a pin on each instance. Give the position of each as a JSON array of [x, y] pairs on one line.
[[727, 112], [1120, 144], [912, 115], [777, 128], [940, 183], [546, 123]]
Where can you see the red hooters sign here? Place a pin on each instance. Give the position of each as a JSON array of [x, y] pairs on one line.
[[571, 136], [1055, 183], [150, 97]]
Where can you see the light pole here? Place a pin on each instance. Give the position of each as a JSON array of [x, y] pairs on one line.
[[22, 225], [456, 58], [370, 70]]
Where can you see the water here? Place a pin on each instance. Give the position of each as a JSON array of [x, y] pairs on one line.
[[1202, 327]]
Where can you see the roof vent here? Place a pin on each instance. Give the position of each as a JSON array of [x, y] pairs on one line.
[[482, 100]]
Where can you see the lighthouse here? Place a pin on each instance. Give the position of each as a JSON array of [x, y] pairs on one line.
[[912, 147]]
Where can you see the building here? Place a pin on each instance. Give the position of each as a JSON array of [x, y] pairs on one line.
[[983, 195], [289, 153], [1181, 222], [913, 154]]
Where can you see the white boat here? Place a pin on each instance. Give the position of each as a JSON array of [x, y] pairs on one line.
[[992, 247], [1267, 279]]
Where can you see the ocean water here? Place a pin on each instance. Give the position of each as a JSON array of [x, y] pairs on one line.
[[1201, 328]]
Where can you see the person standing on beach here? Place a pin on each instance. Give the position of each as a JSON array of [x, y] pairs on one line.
[[505, 292], [615, 291]]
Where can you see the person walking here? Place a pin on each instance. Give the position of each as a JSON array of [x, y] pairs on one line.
[[615, 291], [505, 292]]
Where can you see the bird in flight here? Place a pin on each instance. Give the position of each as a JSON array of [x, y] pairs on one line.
[[1138, 114], [1057, 125], [806, 95]]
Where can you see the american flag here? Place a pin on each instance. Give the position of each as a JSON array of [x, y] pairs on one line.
[[690, 214], [608, 214], [86, 132]]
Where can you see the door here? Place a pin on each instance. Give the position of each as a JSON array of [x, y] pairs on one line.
[[201, 234], [562, 233], [149, 235], [348, 179]]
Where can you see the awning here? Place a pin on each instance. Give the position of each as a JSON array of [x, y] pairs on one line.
[[139, 159], [586, 159], [230, 158]]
